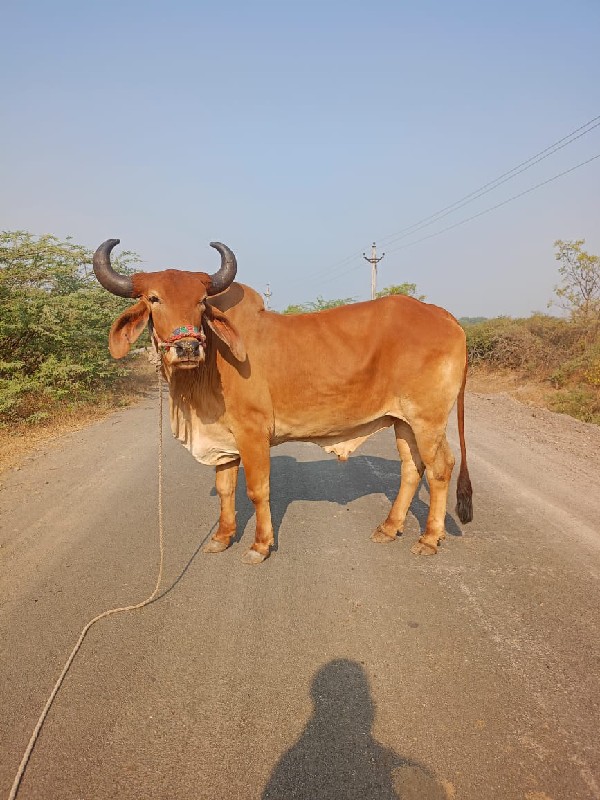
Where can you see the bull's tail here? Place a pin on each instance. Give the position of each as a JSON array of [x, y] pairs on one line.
[[464, 490]]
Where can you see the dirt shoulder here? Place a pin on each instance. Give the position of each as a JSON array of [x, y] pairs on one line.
[[521, 410], [542, 429], [19, 441]]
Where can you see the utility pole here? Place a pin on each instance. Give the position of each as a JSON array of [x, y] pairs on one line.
[[373, 261], [267, 295]]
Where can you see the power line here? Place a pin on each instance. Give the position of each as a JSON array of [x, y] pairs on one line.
[[499, 205], [489, 187], [571, 137], [475, 216]]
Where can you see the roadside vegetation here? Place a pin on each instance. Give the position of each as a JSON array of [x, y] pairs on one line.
[[55, 368], [561, 355], [54, 322]]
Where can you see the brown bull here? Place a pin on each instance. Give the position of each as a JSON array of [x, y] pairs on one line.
[[243, 379]]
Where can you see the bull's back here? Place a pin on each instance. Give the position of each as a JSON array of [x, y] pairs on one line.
[[351, 365]]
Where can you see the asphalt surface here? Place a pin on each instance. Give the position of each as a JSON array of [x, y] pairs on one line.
[[339, 668]]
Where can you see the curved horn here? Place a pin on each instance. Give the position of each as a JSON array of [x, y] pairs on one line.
[[121, 285], [222, 279]]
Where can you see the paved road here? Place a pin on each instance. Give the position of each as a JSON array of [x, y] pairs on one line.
[[338, 668]]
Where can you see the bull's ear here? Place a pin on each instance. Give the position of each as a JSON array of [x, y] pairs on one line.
[[127, 328], [226, 332]]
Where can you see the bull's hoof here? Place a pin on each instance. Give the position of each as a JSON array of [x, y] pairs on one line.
[[253, 557], [422, 548], [215, 546], [381, 537]]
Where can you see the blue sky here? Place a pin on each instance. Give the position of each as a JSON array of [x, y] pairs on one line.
[[299, 132]]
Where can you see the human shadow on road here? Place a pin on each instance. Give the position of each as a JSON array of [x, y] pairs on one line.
[[337, 757], [336, 482]]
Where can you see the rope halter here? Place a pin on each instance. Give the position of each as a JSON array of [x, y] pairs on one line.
[[183, 332]]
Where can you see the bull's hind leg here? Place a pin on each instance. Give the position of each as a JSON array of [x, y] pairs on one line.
[[412, 471], [439, 463], [225, 484]]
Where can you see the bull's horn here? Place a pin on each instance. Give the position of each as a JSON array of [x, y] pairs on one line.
[[111, 280], [224, 277]]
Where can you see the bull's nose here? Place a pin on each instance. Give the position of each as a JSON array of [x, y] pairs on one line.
[[188, 348]]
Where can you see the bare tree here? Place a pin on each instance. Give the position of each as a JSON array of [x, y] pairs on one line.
[[579, 289]]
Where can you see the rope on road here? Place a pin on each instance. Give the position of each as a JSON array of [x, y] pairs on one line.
[[111, 611]]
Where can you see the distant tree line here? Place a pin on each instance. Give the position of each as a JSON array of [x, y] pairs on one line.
[[320, 304], [471, 320]]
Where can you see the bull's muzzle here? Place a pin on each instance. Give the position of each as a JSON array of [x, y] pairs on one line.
[[188, 349], [185, 346]]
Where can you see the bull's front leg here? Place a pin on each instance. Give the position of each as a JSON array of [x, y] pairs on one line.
[[256, 458], [225, 483]]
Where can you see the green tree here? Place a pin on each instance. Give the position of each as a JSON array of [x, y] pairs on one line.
[[579, 289], [409, 289], [54, 319], [320, 304], [295, 309]]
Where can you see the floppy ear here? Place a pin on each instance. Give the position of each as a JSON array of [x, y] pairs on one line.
[[222, 327], [126, 329]]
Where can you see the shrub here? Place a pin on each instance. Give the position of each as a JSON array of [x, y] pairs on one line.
[[580, 402], [54, 321], [564, 353]]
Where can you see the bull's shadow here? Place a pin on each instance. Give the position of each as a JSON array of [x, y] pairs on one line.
[[337, 757], [336, 482]]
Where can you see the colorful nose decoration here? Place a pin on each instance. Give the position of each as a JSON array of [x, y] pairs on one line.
[[184, 330]]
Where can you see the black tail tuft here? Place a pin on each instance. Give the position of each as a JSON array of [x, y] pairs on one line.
[[464, 496]]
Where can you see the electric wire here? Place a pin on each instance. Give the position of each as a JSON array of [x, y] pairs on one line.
[[490, 186], [498, 205], [472, 217]]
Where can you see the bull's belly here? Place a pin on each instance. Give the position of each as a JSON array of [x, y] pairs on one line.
[[341, 443], [213, 443]]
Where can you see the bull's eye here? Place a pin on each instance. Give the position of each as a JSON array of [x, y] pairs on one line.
[[154, 299]]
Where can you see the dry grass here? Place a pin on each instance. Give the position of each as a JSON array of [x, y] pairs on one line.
[[485, 380], [20, 439], [580, 402]]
